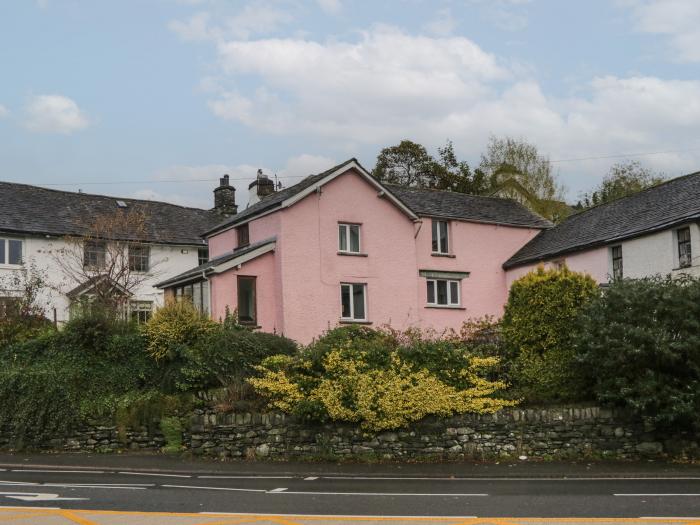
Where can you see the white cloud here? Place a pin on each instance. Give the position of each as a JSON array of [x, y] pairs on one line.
[[678, 19], [385, 85], [54, 114], [4, 111], [442, 24], [332, 7], [253, 19]]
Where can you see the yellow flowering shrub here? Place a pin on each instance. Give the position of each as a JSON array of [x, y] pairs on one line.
[[173, 327], [375, 385]]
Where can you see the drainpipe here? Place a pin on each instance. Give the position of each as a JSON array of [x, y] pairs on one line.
[[206, 279]]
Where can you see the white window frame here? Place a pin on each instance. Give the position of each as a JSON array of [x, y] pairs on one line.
[[450, 303], [348, 247], [352, 317], [612, 262], [6, 245], [679, 263], [132, 258], [435, 228], [138, 307]]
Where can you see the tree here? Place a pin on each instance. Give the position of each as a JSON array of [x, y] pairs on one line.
[[623, 179], [409, 164], [109, 261], [516, 170]]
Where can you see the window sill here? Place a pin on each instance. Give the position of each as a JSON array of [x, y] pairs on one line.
[[448, 255], [353, 254], [252, 326], [11, 266], [445, 307], [353, 321], [683, 268]]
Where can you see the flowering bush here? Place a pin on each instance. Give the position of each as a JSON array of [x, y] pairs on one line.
[[374, 380], [175, 327]]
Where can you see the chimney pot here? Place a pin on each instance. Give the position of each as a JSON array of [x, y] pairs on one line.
[[225, 197]]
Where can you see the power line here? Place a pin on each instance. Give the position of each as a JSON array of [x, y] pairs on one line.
[[107, 182], [625, 155]]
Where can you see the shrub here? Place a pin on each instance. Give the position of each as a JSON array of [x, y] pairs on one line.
[[640, 343], [537, 329], [174, 327], [226, 354], [377, 381]]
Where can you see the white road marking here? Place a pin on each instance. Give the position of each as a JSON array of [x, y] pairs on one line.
[[60, 471], [245, 477], [655, 495], [427, 494], [332, 516], [311, 478], [281, 489], [212, 488], [155, 474], [22, 483], [455, 478], [37, 496]]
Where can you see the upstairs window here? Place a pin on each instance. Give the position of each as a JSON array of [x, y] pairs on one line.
[[247, 307], [349, 238], [10, 251], [202, 256], [243, 234], [443, 292], [616, 253], [440, 241], [94, 254], [685, 256], [139, 257], [353, 301]]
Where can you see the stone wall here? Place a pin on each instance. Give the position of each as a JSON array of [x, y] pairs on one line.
[[585, 432]]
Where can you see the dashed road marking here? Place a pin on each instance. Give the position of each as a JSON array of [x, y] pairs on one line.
[[311, 478], [281, 489], [126, 473]]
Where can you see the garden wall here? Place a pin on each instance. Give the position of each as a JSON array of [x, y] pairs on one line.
[[584, 432]]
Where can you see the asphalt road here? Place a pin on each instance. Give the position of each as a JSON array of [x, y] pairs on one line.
[[350, 495]]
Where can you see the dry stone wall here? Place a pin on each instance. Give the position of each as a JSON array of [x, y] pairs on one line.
[[577, 432]]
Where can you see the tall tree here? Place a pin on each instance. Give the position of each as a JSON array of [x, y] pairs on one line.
[[516, 170], [623, 179], [410, 164]]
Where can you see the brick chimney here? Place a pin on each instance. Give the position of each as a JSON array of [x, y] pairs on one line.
[[225, 198], [259, 188]]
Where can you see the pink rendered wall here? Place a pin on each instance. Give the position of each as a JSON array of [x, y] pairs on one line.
[[594, 262], [258, 229], [224, 291], [312, 270], [479, 249]]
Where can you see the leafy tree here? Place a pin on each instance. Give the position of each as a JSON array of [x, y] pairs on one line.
[[516, 170], [623, 179], [639, 343], [407, 164], [537, 332], [410, 164]]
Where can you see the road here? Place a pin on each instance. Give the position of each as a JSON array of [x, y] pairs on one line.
[[410, 497]]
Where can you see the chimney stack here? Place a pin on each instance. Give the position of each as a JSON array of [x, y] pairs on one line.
[[225, 197], [259, 188]]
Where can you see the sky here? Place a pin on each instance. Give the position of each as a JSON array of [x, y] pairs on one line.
[[156, 99]]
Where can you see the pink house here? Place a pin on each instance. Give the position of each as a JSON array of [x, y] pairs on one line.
[[339, 247]]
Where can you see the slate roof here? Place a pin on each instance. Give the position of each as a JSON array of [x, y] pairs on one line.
[[274, 200], [207, 267], [28, 209], [670, 203], [422, 202], [475, 208]]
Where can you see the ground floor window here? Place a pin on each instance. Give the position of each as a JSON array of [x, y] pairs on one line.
[[443, 292], [247, 308], [140, 311], [197, 293], [353, 300], [9, 306]]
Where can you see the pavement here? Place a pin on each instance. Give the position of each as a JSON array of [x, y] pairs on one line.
[[91, 489]]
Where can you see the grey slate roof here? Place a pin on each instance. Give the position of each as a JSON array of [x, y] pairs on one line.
[[422, 202], [475, 208], [207, 267], [28, 209], [670, 203], [274, 200]]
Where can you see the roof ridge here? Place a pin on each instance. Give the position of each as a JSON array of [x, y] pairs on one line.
[[635, 194], [82, 194]]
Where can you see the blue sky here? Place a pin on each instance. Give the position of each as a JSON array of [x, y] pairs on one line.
[[157, 99]]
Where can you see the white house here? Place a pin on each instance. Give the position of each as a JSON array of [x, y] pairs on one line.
[[653, 232], [38, 226]]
